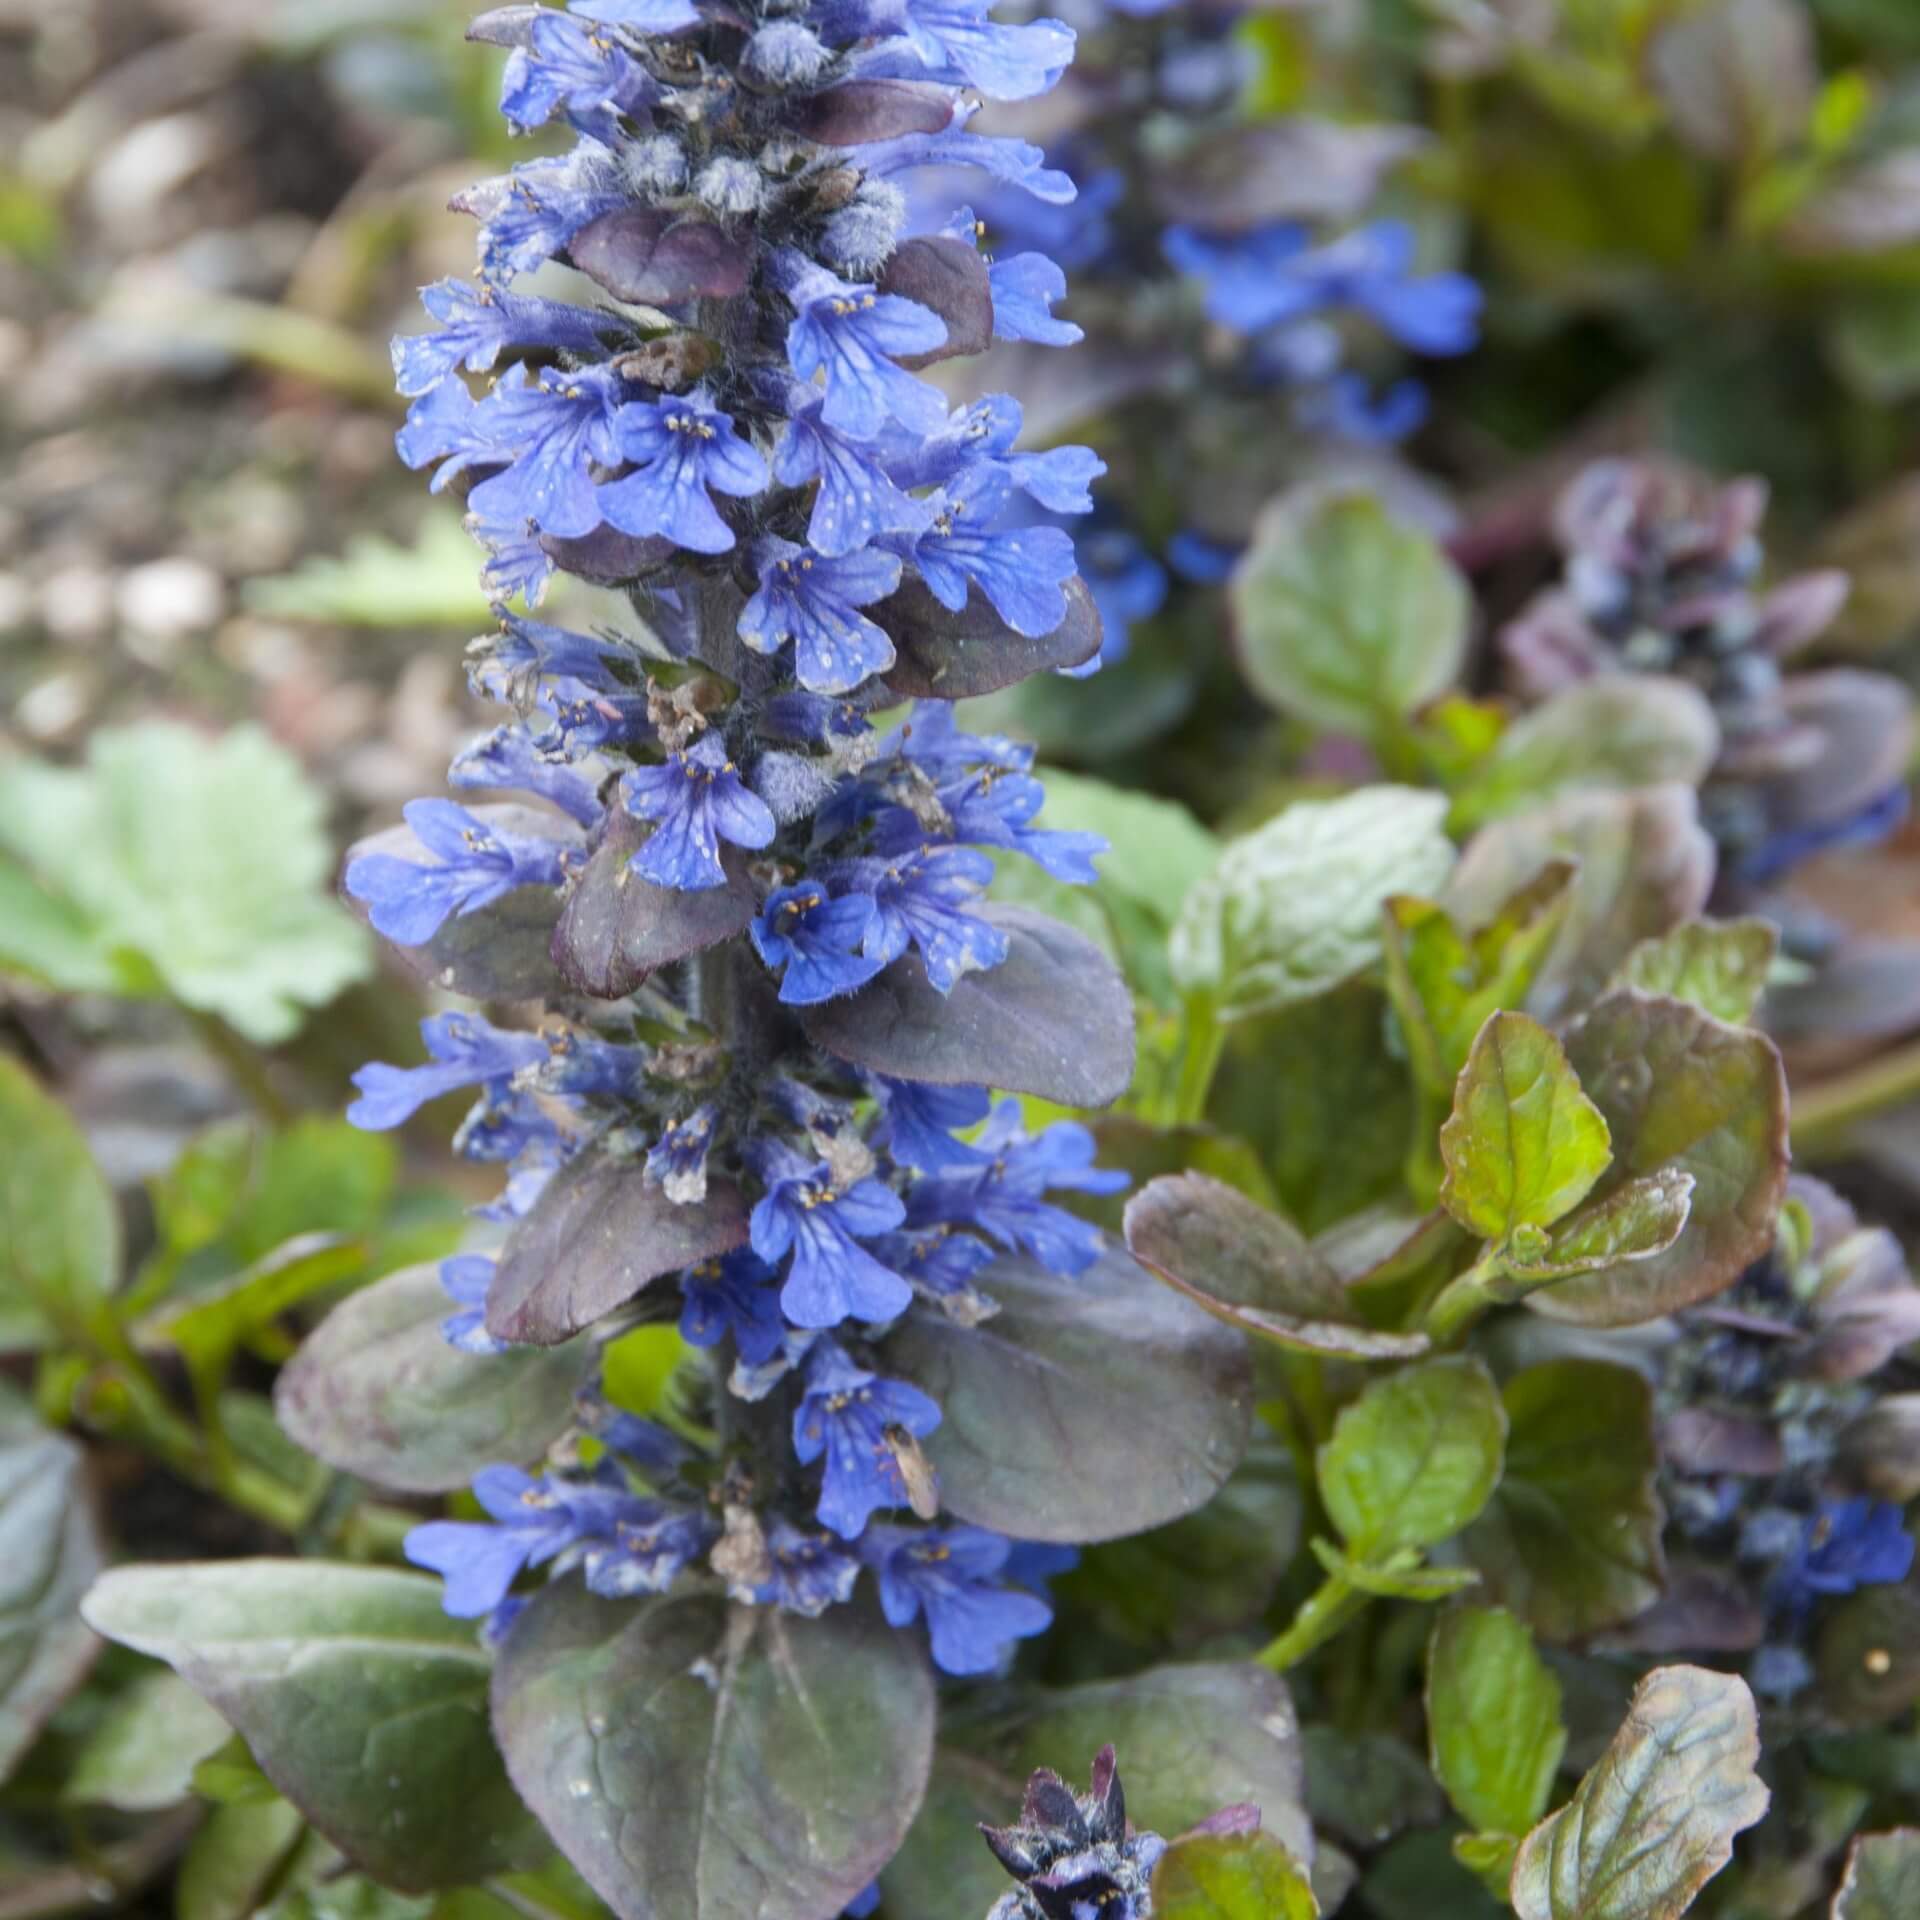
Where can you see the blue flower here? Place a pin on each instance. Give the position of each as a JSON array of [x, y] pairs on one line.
[[1003, 1198], [517, 565], [678, 1159], [1199, 558], [811, 1572], [736, 1295], [1127, 583], [530, 215], [954, 40], [566, 66], [847, 330], [940, 1262], [506, 758], [1847, 1544], [525, 652], [640, 16], [1781, 852], [848, 1415], [952, 1576], [1347, 408], [992, 809], [473, 866], [464, 1052], [863, 1903], [582, 1066], [833, 1277], [476, 324], [480, 1561], [446, 424], [921, 898], [683, 447], [812, 600], [696, 800], [1024, 290], [553, 429], [1014, 163], [857, 500], [466, 1278], [1023, 571], [922, 1120], [650, 1546], [1275, 274], [816, 939]]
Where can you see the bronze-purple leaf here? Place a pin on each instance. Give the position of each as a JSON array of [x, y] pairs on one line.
[[695, 1759], [958, 656], [599, 1234], [861, 110], [618, 927], [1251, 1268], [650, 257], [606, 556], [1091, 1406], [1054, 1018], [948, 277], [377, 1390]]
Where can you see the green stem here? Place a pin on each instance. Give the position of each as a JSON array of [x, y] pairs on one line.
[[246, 1065], [1824, 1114], [1206, 1040], [1463, 1300], [1322, 1614]]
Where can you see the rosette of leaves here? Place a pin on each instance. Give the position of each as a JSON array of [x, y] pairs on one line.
[[763, 1001]]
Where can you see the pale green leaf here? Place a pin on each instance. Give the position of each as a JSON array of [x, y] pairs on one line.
[[1293, 909], [1523, 1145], [1720, 966], [1231, 1876], [1493, 1719]]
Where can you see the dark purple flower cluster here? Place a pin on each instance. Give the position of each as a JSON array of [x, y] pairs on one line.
[[1663, 574], [729, 422], [1769, 1396]]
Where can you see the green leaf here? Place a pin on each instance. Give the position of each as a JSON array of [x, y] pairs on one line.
[[697, 1760], [205, 859], [378, 1391], [231, 1776], [1367, 1786], [1231, 1876], [50, 939], [59, 1228], [321, 1174], [1654, 1819], [1348, 618], [1493, 1719], [1571, 1538], [1619, 731], [1882, 1881], [209, 1324], [376, 582], [1634, 1222], [1206, 1574], [1719, 966], [143, 1754], [1293, 909], [1251, 1268], [1191, 1738], [1644, 864], [1444, 982], [1524, 1145], [1489, 1857], [50, 1551], [1681, 1093], [1421, 1877], [363, 1703], [1157, 850], [1414, 1458], [234, 1859]]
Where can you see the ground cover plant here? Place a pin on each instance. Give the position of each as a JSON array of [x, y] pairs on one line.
[[1134, 1137]]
